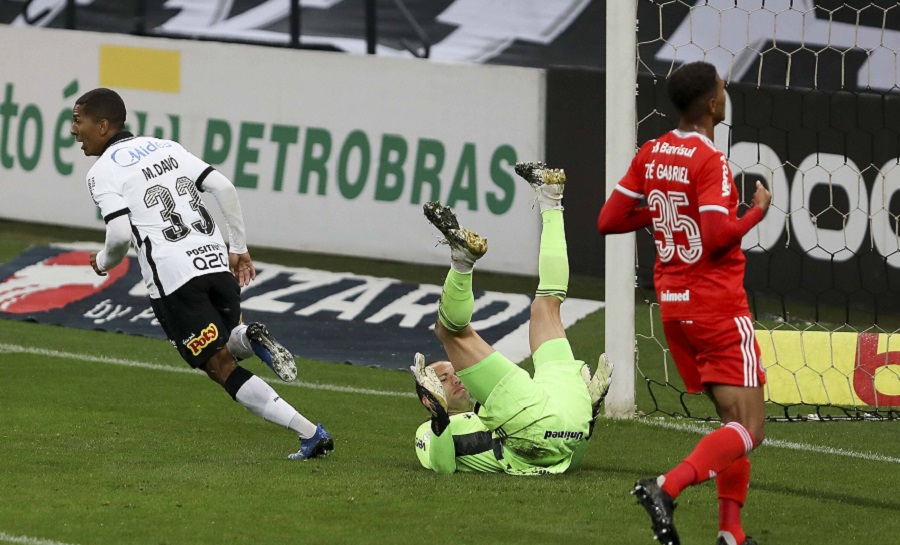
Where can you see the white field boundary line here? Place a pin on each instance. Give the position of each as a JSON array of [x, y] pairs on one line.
[[26, 540], [657, 422], [13, 348], [777, 443]]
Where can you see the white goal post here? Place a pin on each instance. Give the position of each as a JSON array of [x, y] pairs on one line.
[[621, 136]]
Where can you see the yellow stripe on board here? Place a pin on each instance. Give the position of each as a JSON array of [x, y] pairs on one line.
[[140, 68]]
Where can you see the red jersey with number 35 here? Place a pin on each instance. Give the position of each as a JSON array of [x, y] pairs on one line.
[[682, 175]]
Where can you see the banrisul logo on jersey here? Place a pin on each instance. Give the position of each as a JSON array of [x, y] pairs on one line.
[[328, 316]]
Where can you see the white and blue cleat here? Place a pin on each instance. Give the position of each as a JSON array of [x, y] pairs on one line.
[[317, 446]]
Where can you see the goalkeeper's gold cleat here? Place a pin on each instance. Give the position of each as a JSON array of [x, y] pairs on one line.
[[470, 243], [539, 176]]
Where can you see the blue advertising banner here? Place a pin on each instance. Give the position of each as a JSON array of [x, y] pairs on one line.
[[321, 315]]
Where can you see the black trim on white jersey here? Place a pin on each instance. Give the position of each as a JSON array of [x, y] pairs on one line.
[[109, 217], [116, 138], [148, 252], [199, 182], [137, 236]]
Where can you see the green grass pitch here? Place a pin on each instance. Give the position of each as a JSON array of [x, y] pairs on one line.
[[99, 453]]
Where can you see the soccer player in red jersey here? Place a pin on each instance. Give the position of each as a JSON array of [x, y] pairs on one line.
[[692, 205]]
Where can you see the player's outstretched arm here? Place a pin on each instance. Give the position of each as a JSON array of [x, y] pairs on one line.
[[118, 238]]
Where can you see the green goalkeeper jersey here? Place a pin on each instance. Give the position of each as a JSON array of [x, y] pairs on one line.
[[467, 445]]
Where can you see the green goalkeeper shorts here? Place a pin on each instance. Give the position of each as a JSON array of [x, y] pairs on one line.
[[540, 421]]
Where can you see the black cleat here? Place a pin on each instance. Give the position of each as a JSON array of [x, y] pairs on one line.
[[660, 507]]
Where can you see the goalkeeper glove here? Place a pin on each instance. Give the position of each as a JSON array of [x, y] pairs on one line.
[[431, 394], [598, 386]]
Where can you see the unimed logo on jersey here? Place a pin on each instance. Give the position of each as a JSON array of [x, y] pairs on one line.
[[198, 343], [54, 283]]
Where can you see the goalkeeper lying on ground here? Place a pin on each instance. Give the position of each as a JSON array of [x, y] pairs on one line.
[[487, 413]]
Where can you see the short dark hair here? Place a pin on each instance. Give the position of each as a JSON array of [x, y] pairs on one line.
[[103, 103], [691, 85]]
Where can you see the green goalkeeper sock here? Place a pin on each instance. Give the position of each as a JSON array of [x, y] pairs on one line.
[[457, 301], [553, 260]]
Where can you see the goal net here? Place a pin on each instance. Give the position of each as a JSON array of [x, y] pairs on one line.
[[813, 112]]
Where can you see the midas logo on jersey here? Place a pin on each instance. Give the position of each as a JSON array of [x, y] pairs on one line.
[[127, 156], [198, 343]]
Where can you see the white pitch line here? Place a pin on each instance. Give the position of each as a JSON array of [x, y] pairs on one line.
[[26, 540], [658, 422], [156, 367], [777, 443]]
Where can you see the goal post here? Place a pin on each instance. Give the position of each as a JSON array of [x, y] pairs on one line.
[[621, 134]]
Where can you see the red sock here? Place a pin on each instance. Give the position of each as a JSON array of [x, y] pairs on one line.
[[712, 454], [732, 484], [681, 477]]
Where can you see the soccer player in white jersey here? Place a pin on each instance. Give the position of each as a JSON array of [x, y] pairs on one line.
[[520, 425], [699, 280], [148, 191]]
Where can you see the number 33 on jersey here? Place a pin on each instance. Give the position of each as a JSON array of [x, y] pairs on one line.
[[157, 183]]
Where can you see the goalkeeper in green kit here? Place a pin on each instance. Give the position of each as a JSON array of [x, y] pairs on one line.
[[487, 414]]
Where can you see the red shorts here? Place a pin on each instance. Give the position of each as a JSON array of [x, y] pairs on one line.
[[715, 351]]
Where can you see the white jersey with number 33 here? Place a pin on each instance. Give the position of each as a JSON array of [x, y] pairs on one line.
[[157, 184]]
